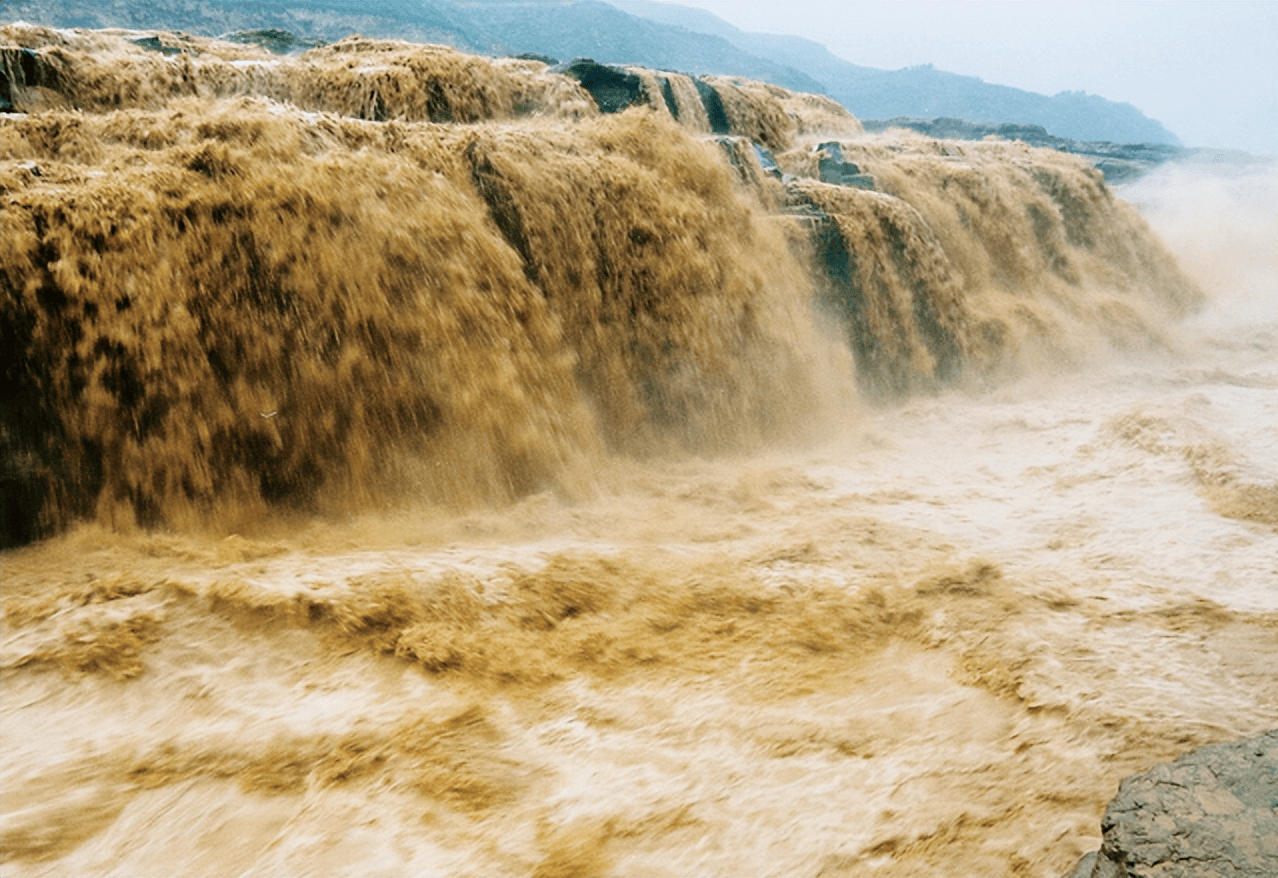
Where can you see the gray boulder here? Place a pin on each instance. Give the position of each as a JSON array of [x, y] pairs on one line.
[[1213, 813], [833, 168]]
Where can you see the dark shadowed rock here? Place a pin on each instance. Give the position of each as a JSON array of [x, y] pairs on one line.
[[714, 108], [155, 44], [29, 80], [847, 290], [668, 96], [833, 168], [276, 40], [613, 88], [1213, 813], [751, 161], [22, 496]]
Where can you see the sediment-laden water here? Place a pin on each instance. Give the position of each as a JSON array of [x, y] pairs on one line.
[[450, 479]]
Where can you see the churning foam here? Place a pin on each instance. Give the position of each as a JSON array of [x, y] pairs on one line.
[[533, 578]]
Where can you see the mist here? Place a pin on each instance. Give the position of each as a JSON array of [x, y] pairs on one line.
[[1220, 218]]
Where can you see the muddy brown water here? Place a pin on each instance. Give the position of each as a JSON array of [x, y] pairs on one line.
[[498, 498]]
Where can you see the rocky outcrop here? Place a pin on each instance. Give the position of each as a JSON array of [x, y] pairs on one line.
[[613, 88], [833, 168], [24, 75], [1119, 162], [752, 162], [279, 41], [1213, 812]]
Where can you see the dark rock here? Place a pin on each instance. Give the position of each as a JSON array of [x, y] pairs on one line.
[[1213, 812], [832, 168], [714, 108], [766, 161], [841, 295], [153, 44], [22, 72], [276, 40], [496, 191], [25, 484], [836, 267], [612, 88], [668, 95], [750, 160], [22, 498], [535, 56]]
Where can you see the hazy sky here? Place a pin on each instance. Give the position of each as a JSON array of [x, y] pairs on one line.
[[1207, 69]]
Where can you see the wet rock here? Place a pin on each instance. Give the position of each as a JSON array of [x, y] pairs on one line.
[[1213, 812], [751, 161], [846, 273], [668, 96], [155, 44], [24, 488], [713, 104], [22, 70], [276, 40], [833, 168], [612, 88]]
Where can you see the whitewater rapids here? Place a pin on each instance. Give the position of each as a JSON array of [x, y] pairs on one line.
[[933, 644], [417, 471]]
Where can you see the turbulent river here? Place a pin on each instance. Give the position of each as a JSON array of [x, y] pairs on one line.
[[921, 636]]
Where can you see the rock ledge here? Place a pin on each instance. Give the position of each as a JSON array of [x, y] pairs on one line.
[[1213, 813]]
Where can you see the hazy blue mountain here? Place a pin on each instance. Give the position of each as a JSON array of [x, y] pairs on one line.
[[658, 35], [922, 92], [325, 20], [607, 34]]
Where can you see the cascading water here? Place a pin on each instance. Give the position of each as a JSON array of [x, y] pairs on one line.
[[408, 468]]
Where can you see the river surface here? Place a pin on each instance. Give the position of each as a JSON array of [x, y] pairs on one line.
[[929, 643]]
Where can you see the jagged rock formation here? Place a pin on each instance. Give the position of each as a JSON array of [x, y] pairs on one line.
[[1213, 813]]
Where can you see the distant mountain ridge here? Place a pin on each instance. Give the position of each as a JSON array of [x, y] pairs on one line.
[[641, 32], [923, 92]]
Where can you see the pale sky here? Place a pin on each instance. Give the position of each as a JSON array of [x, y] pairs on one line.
[[1206, 69]]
